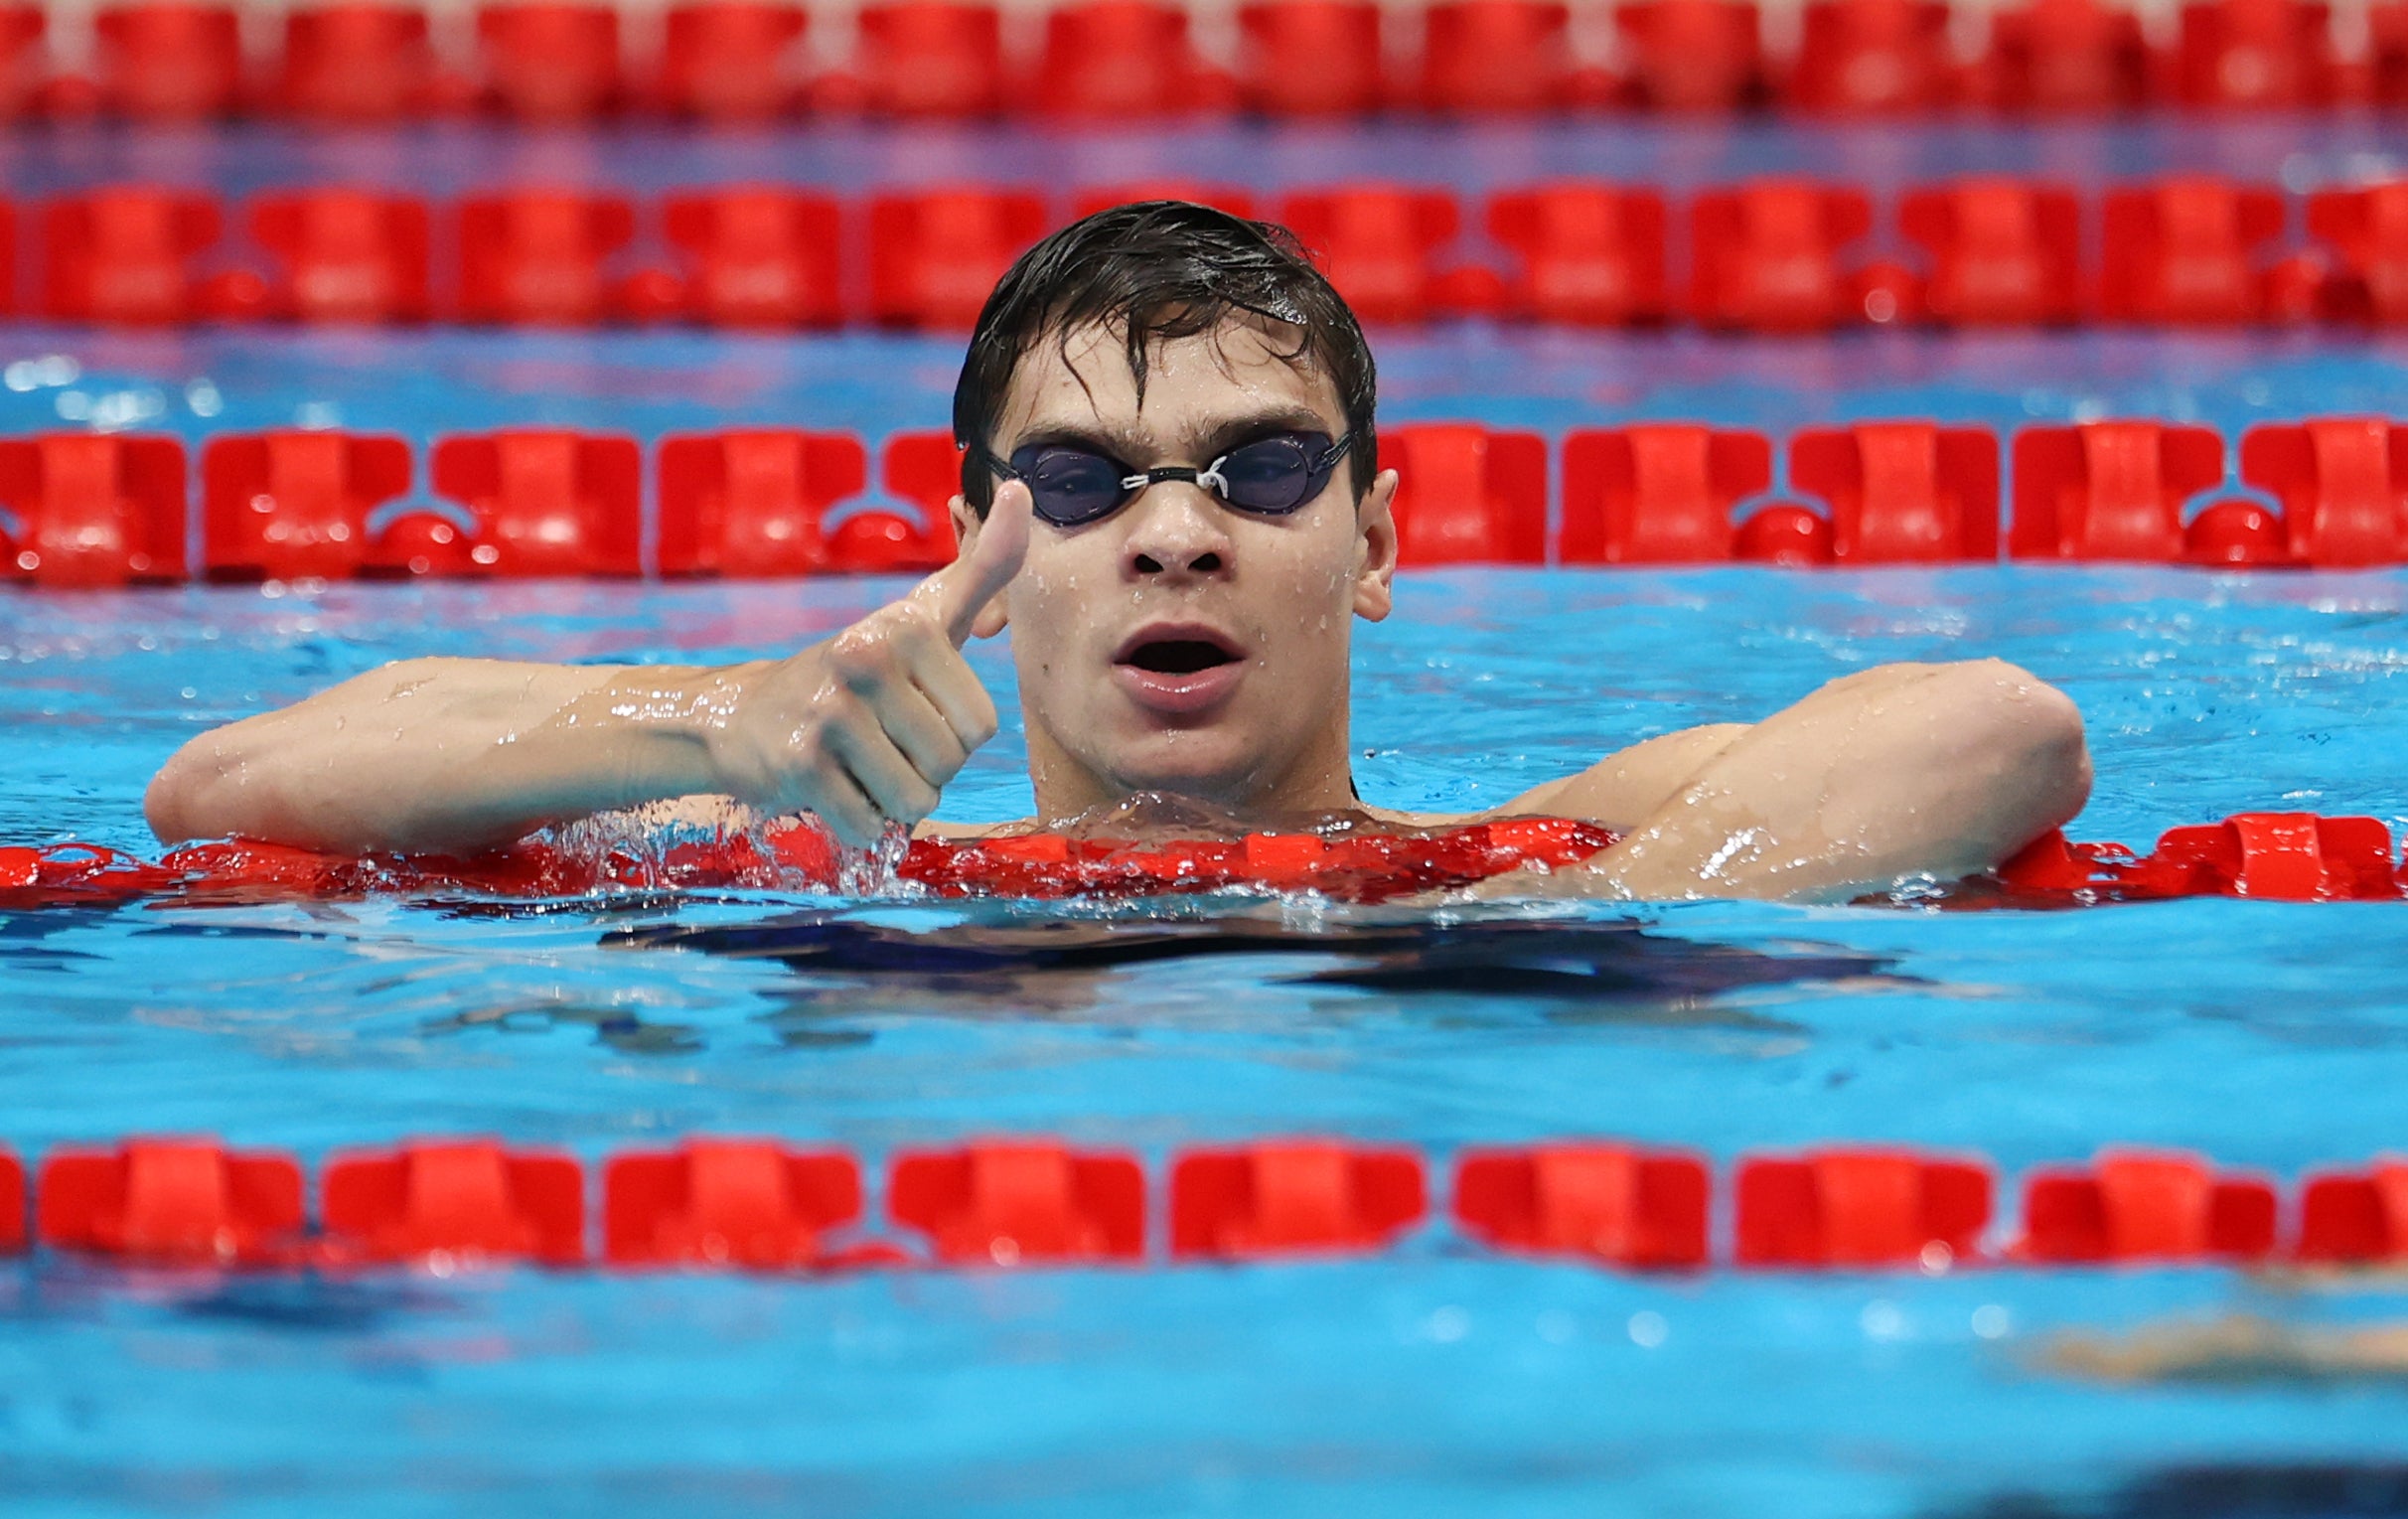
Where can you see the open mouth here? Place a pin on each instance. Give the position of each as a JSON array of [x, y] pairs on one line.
[[1178, 656]]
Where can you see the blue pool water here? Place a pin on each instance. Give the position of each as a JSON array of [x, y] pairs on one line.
[[1427, 1381]]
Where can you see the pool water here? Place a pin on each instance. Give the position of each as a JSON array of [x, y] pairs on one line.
[[1430, 1380]]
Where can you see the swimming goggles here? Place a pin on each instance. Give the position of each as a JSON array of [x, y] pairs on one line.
[[1269, 477]]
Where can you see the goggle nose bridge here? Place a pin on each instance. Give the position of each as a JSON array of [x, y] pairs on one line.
[[1209, 477]]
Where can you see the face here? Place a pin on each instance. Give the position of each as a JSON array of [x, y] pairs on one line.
[[1182, 645]]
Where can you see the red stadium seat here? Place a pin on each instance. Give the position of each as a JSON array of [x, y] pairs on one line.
[[91, 508], [932, 57], [1228, 198], [24, 69], [545, 502], [1692, 54], [2002, 251], [1658, 493], [1904, 493], [172, 1202], [169, 60], [282, 506], [1466, 494], [2067, 56], [754, 503], [1592, 255], [2109, 490], [2280, 857], [2343, 486], [2255, 53], [1378, 243], [733, 60], [751, 1203], [1310, 57], [1610, 1202], [1292, 1197], [462, 1201], [124, 255], [1498, 55], [356, 61], [2366, 229], [540, 257], [1122, 58], [2188, 250], [2355, 1218], [2133, 1207], [1769, 255], [758, 257], [935, 256], [550, 60], [1860, 1208], [1874, 57], [1004, 1203], [346, 256]]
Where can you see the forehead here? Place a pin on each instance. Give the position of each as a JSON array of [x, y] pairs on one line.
[[1080, 380]]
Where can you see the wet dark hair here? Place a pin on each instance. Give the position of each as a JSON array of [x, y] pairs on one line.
[[1162, 271]]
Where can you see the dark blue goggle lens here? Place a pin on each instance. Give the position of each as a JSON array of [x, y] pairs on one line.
[[1269, 477]]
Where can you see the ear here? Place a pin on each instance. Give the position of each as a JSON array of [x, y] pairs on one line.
[[1376, 539], [996, 616]]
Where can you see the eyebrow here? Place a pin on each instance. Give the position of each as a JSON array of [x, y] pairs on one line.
[[1205, 440]]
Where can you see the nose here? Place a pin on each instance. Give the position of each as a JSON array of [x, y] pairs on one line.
[[1176, 532]]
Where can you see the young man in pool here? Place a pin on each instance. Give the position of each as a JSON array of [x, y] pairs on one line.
[[1170, 496]]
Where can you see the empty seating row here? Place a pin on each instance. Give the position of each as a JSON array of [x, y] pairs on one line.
[[757, 1204], [92, 509], [751, 60], [1765, 256]]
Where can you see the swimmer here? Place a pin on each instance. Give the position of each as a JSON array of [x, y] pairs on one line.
[[1170, 495]]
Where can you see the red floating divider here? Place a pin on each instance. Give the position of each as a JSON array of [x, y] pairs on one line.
[[1591, 255], [2353, 1217], [169, 60], [1615, 1203], [12, 1203], [1861, 1207], [550, 60], [1467, 494], [2285, 857], [2145, 1207], [1500, 55], [124, 255], [468, 1200], [21, 60], [2062, 57], [2109, 490], [278, 506], [2190, 250], [2342, 482], [754, 503], [935, 256], [539, 256], [1903, 492], [1310, 57], [1379, 244], [1658, 493], [1690, 55], [2366, 229], [932, 57], [751, 1203], [2255, 53], [733, 60], [1292, 1196], [2001, 250], [1118, 58], [172, 1201], [762, 256], [92, 509], [356, 62], [1010, 1203], [546, 503], [1874, 57], [1768, 256], [346, 256]]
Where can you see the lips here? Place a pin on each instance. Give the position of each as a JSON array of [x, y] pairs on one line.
[[1178, 668]]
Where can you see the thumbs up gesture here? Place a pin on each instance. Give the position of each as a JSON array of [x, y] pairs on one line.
[[868, 727]]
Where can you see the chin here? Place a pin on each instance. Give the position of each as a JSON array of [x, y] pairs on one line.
[[1215, 765]]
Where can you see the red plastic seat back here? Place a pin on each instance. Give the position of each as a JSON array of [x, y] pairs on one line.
[[1497, 56], [280, 505], [2145, 1207], [758, 257], [540, 256], [1009, 1203], [1612, 1202], [1874, 57], [1466, 494], [1769, 255], [721, 1202], [1904, 493], [2355, 1218], [2068, 56], [935, 256], [356, 61], [2366, 229], [2109, 490], [1590, 255], [1658, 493], [2282, 857], [1378, 243], [454, 1199], [1861, 1208], [179, 1201], [123, 255], [347, 255], [2342, 482], [546, 502], [754, 503], [1310, 57], [2002, 251], [169, 60], [92, 509], [733, 60], [1692, 54], [932, 57], [1290, 1198], [550, 60], [2188, 250], [1118, 58], [2255, 53]]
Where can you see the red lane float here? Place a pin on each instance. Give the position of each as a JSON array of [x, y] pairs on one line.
[[2145, 1207], [1293, 1198], [458, 1200], [712, 1203], [92, 509], [173, 1202], [1642, 1209], [1466, 493], [733, 60], [1005, 1203], [1861, 1208]]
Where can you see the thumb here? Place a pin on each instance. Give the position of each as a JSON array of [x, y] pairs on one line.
[[959, 591]]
